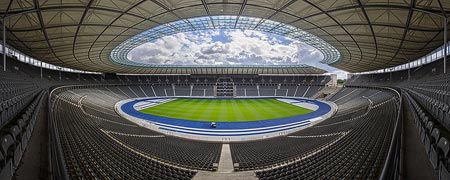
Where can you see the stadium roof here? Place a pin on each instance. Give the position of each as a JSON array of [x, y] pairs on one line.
[[119, 54], [81, 34]]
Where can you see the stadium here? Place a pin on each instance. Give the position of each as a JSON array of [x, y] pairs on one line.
[[224, 89]]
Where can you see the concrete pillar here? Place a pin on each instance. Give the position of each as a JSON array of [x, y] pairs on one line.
[[4, 44]]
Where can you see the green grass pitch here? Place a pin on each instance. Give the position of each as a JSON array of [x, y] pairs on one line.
[[226, 110]]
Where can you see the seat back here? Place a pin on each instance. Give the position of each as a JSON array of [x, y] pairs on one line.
[[430, 126], [21, 123], [435, 134], [2, 160], [443, 146], [15, 132], [7, 142], [425, 121]]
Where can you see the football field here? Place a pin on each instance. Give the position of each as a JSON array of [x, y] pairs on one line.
[[226, 110]]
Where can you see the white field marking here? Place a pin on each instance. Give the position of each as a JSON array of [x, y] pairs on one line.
[[155, 126], [309, 154], [320, 135], [134, 135], [346, 95], [151, 103], [299, 103], [127, 116], [238, 131], [143, 154]]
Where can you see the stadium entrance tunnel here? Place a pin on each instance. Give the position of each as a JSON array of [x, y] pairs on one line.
[[215, 128]]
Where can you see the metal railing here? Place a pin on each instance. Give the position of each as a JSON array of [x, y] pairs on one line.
[[392, 167]]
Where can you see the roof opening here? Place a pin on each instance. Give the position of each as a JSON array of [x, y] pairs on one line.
[[224, 41], [225, 47]]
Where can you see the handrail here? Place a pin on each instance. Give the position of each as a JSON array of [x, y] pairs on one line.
[[392, 166], [57, 163]]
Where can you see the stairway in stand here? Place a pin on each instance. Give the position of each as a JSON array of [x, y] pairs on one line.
[[225, 87]]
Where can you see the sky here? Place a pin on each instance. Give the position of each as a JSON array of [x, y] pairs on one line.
[[229, 47]]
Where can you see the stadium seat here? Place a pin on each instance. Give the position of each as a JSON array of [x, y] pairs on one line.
[[6, 167]]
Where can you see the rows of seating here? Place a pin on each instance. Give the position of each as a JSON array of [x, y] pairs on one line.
[[257, 154], [434, 95], [358, 154], [15, 94], [426, 89], [290, 156], [55, 77], [15, 135], [134, 91], [190, 154], [104, 125], [98, 144], [90, 153], [434, 137], [237, 79]]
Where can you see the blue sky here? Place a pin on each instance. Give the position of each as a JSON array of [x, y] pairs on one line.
[[229, 47]]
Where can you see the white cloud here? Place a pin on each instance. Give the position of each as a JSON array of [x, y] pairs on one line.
[[229, 47]]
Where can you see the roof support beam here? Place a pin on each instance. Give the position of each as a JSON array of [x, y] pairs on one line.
[[205, 5], [445, 44], [442, 9], [44, 31], [276, 12], [4, 44], [240, 12], [4, 34], [371, 29], [78, 29], [405, 31]]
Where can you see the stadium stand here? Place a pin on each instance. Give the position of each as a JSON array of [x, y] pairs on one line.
[[392, 119], [336, 142], [97, 120]]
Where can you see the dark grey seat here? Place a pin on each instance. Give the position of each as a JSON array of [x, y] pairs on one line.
[[11, 149], [435, 135], [6, 169]]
